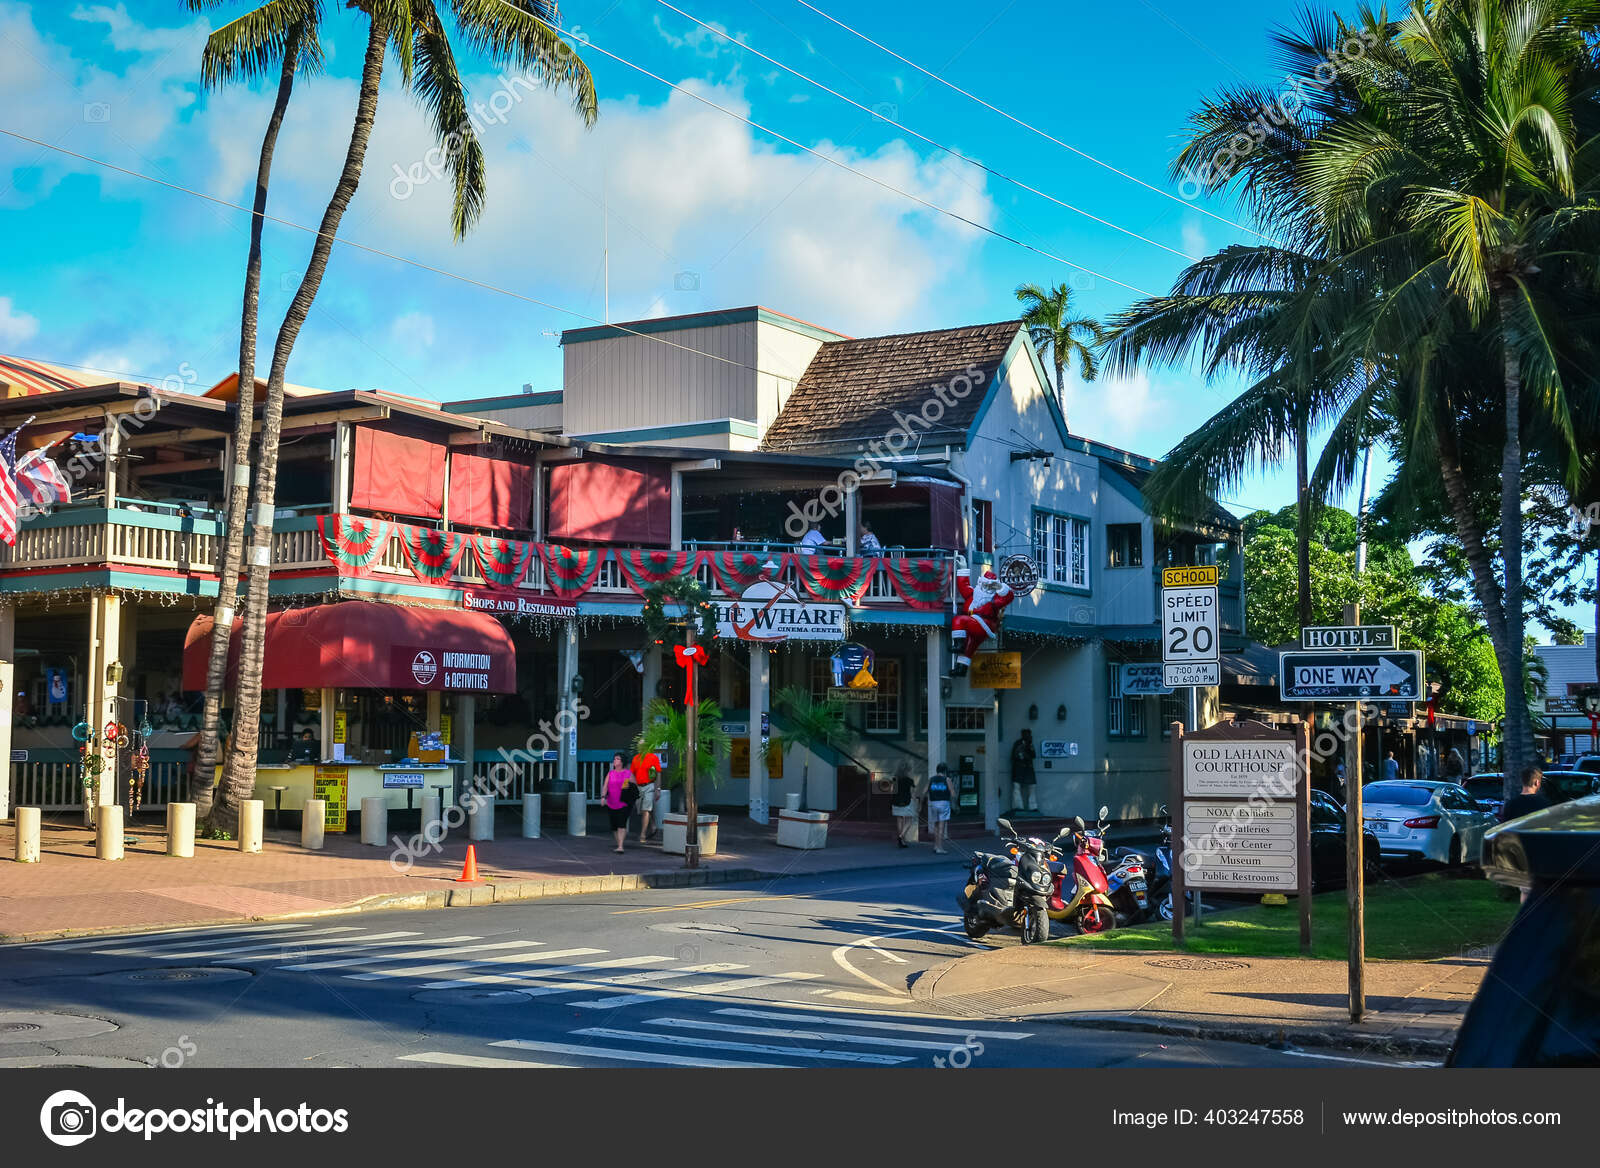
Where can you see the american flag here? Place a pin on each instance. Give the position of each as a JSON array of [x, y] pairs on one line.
[[8, 487], [41, 478]]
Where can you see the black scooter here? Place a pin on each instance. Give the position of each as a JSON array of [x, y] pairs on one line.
[[1010, 890]]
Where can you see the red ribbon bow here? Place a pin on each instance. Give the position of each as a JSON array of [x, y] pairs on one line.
[[688, 657]]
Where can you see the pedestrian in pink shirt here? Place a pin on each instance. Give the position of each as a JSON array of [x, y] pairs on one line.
[[617, 803]]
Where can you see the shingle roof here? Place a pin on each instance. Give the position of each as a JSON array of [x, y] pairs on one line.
[[852, 390]]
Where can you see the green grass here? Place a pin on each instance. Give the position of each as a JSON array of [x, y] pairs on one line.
[[1422, 917]]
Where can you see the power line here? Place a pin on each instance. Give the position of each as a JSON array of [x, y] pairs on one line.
[[1084, 154], [950, 150], [588, 44]]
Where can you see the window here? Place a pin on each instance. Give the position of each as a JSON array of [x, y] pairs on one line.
[[883, 715], [962, 719], [983, 525], [1124, 715], [1061, 549], [820, 678], [1174, 708], [1124, 545]]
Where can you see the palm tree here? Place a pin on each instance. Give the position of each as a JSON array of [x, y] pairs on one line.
[[1468, 179], [283, 33], [518, 32], [666, 731], [811, 725], [1049, 315]]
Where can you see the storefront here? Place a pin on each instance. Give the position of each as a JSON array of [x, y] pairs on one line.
[[373, 699]]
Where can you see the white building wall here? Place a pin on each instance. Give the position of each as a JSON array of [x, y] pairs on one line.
[[619, 383]]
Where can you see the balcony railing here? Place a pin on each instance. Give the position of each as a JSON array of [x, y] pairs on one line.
[[85, 537]]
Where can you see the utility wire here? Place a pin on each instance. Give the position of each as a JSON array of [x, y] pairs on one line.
[[950, 150], [1084, 154]]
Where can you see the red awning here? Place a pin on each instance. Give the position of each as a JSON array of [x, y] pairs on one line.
[[361, 644], [611, 502], [397, 474]]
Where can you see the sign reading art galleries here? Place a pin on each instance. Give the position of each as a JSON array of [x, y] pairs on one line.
[[769, 613], [456, 670]]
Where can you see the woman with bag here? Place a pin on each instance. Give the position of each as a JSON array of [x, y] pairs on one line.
[[905, 804], [620, 794]]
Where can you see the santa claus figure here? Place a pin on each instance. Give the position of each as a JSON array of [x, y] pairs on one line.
[[982, 602]]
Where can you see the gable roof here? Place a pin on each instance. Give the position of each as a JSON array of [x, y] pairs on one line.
[[851, 392], [24, 377]]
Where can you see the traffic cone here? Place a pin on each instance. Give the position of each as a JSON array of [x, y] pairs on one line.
[[469, 868]]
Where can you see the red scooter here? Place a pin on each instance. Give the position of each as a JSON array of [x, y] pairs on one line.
[[1086, 901]]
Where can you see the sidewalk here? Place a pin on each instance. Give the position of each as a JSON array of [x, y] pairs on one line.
[[1413, 1007], [70, 892]]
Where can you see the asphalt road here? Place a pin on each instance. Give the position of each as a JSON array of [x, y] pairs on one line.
[[801, 972]]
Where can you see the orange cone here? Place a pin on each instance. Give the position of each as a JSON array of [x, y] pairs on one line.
[[469, 869]]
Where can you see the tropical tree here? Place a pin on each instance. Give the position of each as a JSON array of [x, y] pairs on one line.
[[521, 33], [810, 725], [1055, 327], [666, 731], [281, 36], [1467, 185]]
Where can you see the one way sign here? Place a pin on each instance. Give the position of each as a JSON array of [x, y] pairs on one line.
[[1394, 675]]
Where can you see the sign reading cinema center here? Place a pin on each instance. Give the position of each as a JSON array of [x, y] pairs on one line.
[[770, 612], [1394, 676], [1191, 627]]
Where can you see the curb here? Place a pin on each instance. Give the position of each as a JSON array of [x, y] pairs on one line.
[[1268, 1035]]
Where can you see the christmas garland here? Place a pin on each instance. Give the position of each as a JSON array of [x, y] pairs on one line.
[[685, 591]]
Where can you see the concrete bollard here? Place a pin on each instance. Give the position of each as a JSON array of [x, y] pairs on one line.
[[180, 830], [27, 835], [313, 823], [577, 813], [532, 808], [108, 832], [480, 819], [252, 815], [375, 820], [432, 827]]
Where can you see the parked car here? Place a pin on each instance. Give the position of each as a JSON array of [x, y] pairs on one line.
[[1426, 820], [1589, 763], [1489, 789], [1565, 786], [1539, 1004], [1328, 836]]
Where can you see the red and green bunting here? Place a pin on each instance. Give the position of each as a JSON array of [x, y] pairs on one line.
[[736, 571], [835, 579], [503, 562], [569, 572], [434, 554], [644, 568], [352, 541], [922, 584]]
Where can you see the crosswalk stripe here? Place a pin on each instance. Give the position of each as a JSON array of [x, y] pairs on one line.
[[337, 945], [537, 977], [445, 1059], [602, 984], [956, 1032], [187, 935], [447, 966], [810, 1035], [286, 945], [721, 987], [187, 950], [447, 951], [632, 1056], [811, 1052]]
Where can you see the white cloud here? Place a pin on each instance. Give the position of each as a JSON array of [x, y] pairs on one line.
[[413, 332], [16, 326], [1124, 411], [1194, 239]]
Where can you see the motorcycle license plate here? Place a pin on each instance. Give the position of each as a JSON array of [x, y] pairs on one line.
[[1136, 885]]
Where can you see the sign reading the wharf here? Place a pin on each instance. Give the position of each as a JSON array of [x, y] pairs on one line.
[[1353, 637], [1320, 677], [500, 604], [1142, 678], [1191, 627], [769, 613], [444, 669], [852, 674]]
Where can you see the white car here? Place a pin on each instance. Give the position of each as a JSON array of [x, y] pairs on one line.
[[1426, 820]]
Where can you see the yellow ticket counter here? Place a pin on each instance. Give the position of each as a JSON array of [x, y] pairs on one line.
[[345, 785]]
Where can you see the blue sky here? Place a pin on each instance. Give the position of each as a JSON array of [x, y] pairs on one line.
[[703, 211]]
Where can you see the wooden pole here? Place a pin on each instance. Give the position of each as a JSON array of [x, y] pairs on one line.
[[691, 808], [1354, 860], [1179, 832], [1302, 800]]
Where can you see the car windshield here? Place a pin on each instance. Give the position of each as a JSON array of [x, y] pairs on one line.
[[1402, 794], [1485, 786], [1589, 765]]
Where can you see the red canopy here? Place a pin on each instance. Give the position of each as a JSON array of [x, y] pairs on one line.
[[360, 644]]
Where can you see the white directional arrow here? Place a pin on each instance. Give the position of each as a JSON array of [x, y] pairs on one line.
[[1390, 674]]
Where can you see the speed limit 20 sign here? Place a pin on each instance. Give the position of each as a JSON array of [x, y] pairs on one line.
[[1191, 627]]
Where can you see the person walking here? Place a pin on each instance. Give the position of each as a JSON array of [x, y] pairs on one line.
[[939, 797], [1531, 799], [1455, 768], [905, 804], [618, 779], [646, 768], [1391, 768], [1022, 776]]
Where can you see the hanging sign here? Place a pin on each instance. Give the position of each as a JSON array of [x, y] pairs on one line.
[[446, 727], [769, 612], [1020, 573], [996, 671], [852, 674]]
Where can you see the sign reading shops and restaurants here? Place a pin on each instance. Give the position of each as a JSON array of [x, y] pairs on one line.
[[996, 671], [332, 785], [770, 613], [501, 604], [457, 670]]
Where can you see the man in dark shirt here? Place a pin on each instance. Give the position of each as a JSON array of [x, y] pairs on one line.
[[1530, 800]]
